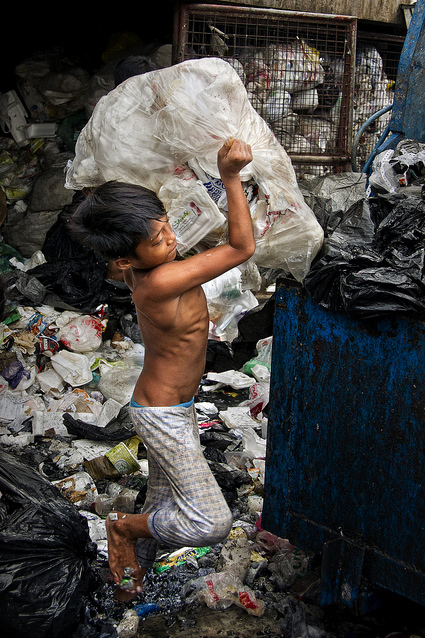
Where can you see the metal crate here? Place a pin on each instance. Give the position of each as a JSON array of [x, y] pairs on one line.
[[297, 67], [377, 59]]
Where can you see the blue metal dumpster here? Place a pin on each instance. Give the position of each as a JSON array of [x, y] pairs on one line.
[[345, 466]]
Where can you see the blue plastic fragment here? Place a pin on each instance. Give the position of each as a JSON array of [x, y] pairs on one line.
[[145, 609]]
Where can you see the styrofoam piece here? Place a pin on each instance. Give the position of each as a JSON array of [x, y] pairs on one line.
[[238, 418]]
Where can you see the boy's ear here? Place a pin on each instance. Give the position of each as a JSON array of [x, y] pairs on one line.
[[123, 263]]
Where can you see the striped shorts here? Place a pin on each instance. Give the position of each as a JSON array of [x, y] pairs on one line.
[[185, 502]]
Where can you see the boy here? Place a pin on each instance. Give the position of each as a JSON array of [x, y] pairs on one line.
[[184, 505]]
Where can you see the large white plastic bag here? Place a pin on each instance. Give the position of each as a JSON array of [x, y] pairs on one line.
[[154, 124], [119, 142]]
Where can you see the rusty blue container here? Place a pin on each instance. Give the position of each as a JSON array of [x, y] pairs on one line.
[[345, 469]]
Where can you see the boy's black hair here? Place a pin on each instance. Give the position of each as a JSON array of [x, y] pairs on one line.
[[131, 66], [114, 218]]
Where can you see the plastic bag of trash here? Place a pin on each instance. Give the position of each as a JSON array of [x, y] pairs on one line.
[[295, 66], [72, 272], [262, 358], [383, 178], [366, 271], [118, 381], [394, 168], [330, 196], [45, 555], [74, 368], [177, 118]]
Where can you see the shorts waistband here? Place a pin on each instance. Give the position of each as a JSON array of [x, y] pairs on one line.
[[187, 404]]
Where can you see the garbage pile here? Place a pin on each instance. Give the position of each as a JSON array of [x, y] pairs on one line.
[[71, 351], [69, 456]]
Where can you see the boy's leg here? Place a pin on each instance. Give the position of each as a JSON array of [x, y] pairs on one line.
[[122, 552], [158, 494], [199, 514]]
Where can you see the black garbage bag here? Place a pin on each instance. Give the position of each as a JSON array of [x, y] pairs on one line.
[[119, 428], [74, 273], [45, 555], [373, 263]]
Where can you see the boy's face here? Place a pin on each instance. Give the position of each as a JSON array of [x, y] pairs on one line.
[[159, 249]]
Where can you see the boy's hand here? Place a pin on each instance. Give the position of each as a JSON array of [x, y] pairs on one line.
[[232, 157]]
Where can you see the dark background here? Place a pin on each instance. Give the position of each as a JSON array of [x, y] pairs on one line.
[[83, 31]]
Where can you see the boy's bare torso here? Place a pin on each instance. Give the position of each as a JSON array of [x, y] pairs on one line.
[[168, 296], [175, 335]]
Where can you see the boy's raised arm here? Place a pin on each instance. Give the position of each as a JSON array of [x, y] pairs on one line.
[[173, 279], [232, 157]]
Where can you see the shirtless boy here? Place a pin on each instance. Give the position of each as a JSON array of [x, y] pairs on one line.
[[127, 224]]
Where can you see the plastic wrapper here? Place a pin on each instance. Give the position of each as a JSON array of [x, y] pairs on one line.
[[179, 557], [189, 220], [263, 357], [79, 489], [221, 589], [259, 394], [227, 303], [176, 118], [253, 444], [45, 555]]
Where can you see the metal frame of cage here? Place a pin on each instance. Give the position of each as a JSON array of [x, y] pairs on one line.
[[298, 69]]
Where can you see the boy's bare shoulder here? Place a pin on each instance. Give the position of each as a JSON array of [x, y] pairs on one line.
[[153, 284]]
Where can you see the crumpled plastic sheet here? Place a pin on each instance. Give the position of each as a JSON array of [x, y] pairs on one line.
[[118, 429], [153, 127]]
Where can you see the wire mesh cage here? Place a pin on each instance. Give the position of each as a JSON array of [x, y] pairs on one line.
[[377, 59], [298, 70]]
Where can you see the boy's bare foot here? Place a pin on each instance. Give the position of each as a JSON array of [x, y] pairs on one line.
[[125, 569]]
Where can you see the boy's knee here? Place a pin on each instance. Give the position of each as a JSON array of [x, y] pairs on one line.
[[215, 531]]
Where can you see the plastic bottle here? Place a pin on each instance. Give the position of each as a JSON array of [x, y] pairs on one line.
[[13, 117], [125, 501]]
